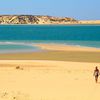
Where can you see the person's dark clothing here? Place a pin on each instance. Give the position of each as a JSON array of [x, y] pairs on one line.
[[96, 74]]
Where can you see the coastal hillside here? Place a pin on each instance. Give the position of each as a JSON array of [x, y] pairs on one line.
[[30, 19]]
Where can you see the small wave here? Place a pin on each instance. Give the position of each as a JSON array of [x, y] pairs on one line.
[[16, 43], [83, 46], [15, 47]]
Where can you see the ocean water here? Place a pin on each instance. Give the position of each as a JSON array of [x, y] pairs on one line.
[[20, 38]]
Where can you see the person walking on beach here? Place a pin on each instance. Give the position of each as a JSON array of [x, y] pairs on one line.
[[96, 74]]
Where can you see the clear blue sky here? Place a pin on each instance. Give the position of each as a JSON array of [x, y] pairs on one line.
[[79, 9]]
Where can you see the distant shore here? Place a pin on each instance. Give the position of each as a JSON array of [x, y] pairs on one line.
[[83, 22], [79, 23], [42, 20], [89, 21]]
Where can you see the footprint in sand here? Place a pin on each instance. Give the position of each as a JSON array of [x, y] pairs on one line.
[[19, 68], [14, 96], [76, 79], [69, 71]]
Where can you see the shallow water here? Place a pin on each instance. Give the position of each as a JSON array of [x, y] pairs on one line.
[[20, 38]]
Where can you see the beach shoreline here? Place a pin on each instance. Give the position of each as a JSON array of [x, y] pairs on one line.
[[64, 47], [57, 53]]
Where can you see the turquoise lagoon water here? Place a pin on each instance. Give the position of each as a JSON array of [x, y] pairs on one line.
[[20, 38]]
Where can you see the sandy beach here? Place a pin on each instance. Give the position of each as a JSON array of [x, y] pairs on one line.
[[58, 73], [47, 80], [89, 22]]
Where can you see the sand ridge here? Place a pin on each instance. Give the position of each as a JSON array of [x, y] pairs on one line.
[[62, 47], [57, 52]]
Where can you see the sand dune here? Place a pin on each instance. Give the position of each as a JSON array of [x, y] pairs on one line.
[[89, 21], [47, 80]]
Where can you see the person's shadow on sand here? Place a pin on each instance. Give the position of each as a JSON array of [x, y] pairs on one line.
[[98, 82]]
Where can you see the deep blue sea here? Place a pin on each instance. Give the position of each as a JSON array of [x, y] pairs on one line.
[[20, 38]]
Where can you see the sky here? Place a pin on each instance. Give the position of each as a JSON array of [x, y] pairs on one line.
[[78, 9]]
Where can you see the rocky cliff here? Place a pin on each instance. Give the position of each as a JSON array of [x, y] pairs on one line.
[[30, 19]]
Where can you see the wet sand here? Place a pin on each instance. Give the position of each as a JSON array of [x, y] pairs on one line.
[[57, 53]]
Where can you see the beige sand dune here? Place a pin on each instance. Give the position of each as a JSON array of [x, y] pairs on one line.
[[89, 21], [47, 80]]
